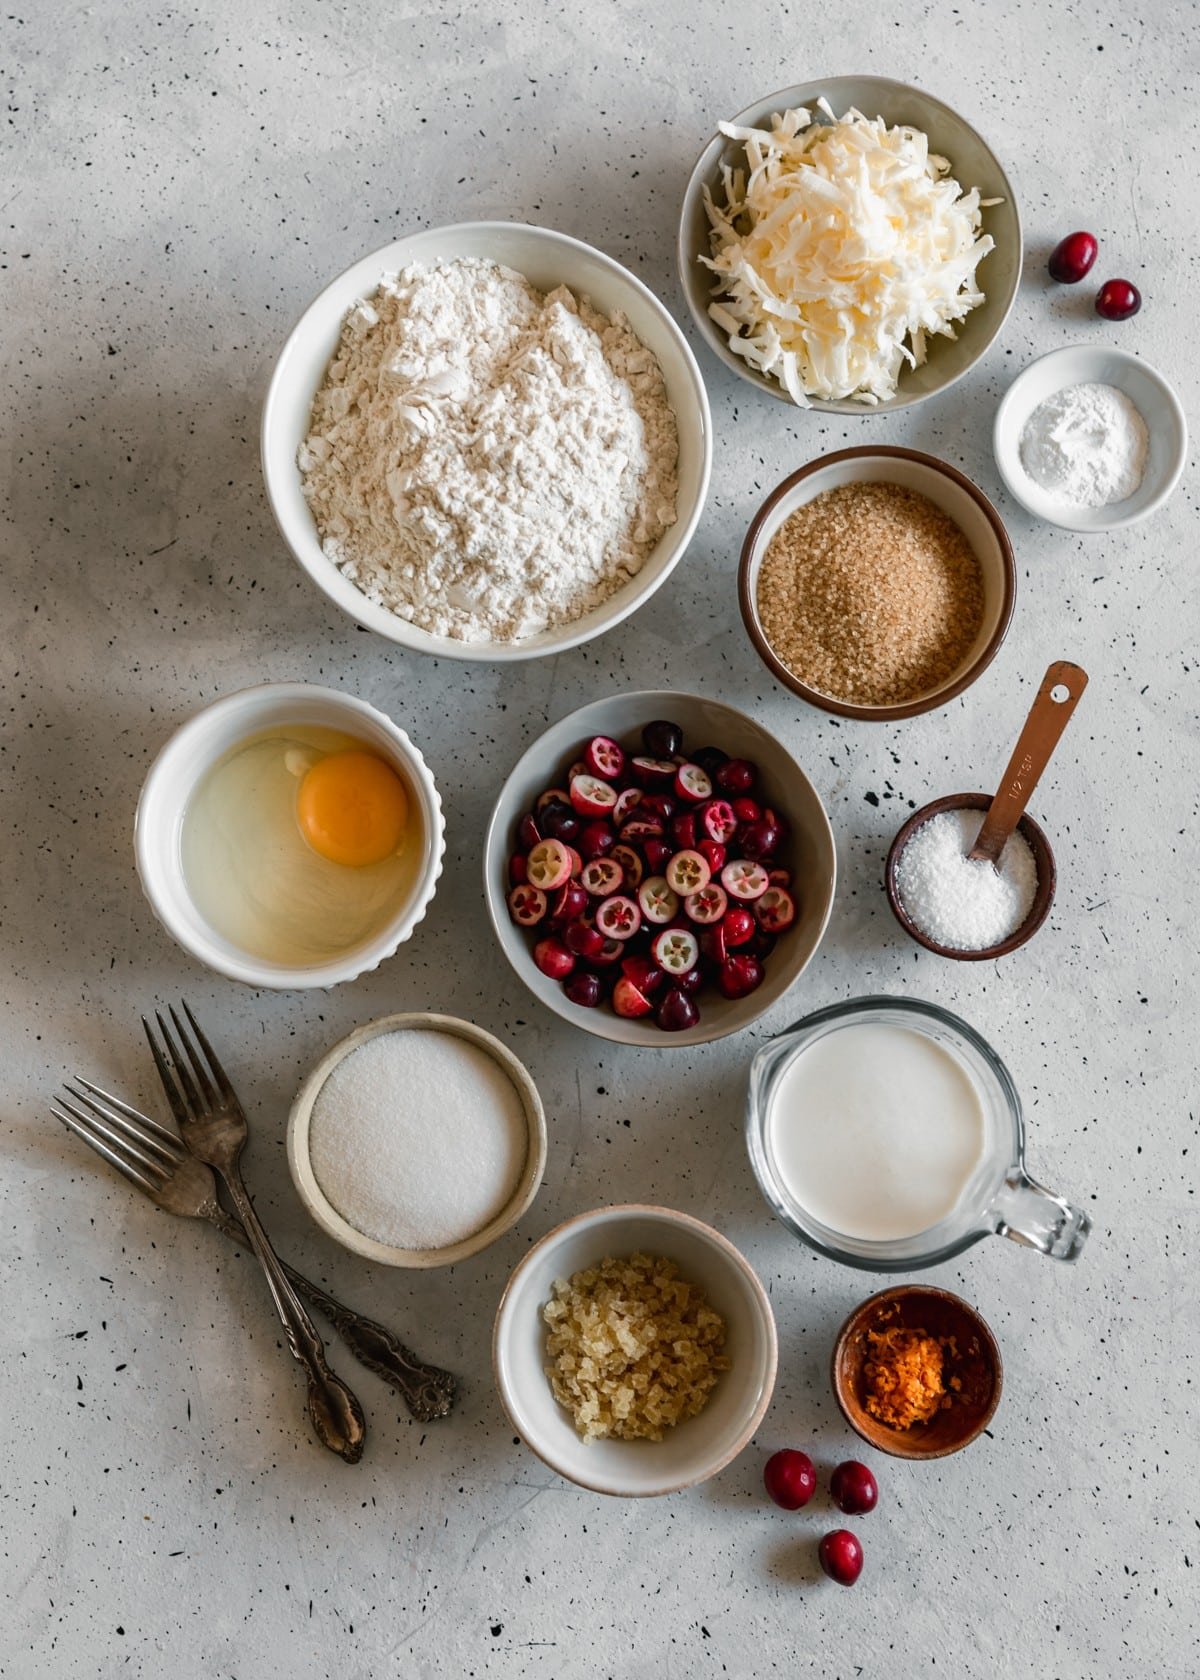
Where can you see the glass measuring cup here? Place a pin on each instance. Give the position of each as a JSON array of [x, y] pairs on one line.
[[1000, 1198]]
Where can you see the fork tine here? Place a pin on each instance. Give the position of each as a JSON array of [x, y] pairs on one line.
[[219, 1074], [193, 1055], [97, 1124], [175, 1095], [170, 1153], [124, 1167], [143, 1121]]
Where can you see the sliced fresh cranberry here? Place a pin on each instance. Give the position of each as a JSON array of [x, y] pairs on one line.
[[744, 878], [736, 775], [527, 905], [658, 853], [552, 796], [775, 910], [582, 938], [528, 833], [618, 917], [549, 865], [626, 800], [553, 958], [592, 797], [693, 784], [576, 862], [675, 950], [683, 830], [747, 810], [779, 877], [628, 1000], [710, 759], [761, 944], [707, 905], [659, 805], [758, 839], [676, 1012], [604, 757], [584, 989], [579, 768], [687, 872], [692, 981], [659, 903], [646, 975], [559, 821], [653, 772], [568, 903], [713, 853], [596, 839], [518, 869], [718, 820], [631, 864], [1072, 257], [778, 822], [610, 952], [713, 944], [662, 738], [739, 975], [601, 877], [641, 828], [738, 925]]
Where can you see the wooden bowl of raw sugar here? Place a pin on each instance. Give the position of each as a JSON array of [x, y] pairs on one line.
[[949, 490], [972, 1359], [525, 1185], [1043, 857]]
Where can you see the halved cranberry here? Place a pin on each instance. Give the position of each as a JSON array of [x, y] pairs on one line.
[[558, 821], [592, 797], [659, 805], [760, 944], [653, 772], [779, 877], [553, 958], [609, 953], [710, 759], [687, 872], [683, 830], [551, 796], [628, 1001], [646, 975], [713, 853], [744, 878], [604, 757], [736, 775], [676, 950], [676, 1012], [601, 877], [1117, 300], [579, 768], [549, 865], [641, 828], [527, 905], [618, 917], [631, 864], [518, 869], [693, 784], [576, 862], [738, 925], [1072, 257], [582, 938], [841, 1556], [708, 905], [569, 902], [528, 833], [657, 853], [713, 943], [747, 810], [718, 819], [659, 903], [739, 975], [623, 809], [596, 839], [758, 839], [584, 989], [775, 910], [662, 739], [692, 981]]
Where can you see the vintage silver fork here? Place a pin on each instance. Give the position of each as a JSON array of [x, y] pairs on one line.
[[154, 1160], [213, 1127]]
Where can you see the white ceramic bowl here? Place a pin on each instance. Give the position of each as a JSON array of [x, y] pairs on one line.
[[973, 164], [808, 852], [1083, 364], [948, 489], [323, 1210], [190, 754], [547, 259], [695, 1449]]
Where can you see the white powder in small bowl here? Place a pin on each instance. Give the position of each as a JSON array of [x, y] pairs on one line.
[[418, 1138], [962, 905]]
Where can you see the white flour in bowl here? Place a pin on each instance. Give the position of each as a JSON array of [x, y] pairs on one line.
[[487, 461]]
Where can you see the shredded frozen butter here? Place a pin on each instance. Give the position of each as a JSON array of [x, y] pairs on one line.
[[839, 248]]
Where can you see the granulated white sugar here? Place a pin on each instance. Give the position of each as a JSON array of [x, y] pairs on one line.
[[418, 1138], [963, 905]]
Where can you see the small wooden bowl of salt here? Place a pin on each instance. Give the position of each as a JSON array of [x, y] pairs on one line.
[[417, 1141]]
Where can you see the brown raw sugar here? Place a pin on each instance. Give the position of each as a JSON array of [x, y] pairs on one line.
[[904, 1378], [870, 594]]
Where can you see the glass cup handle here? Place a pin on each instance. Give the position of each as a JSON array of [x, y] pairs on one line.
[[1035, 1218]]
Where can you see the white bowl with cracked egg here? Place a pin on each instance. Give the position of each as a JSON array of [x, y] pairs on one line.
[[547, 259]]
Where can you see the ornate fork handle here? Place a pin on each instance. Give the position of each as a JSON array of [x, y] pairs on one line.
[[336, 1414], [426, 1390]]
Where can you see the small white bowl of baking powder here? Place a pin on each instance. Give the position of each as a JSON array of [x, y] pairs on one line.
[[417, 1141], [1160, 454]]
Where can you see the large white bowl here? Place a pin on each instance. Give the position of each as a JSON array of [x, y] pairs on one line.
[[695, 1449], [973, 164], [1099, 364], [808, 852], [547, 259], [190, 754]]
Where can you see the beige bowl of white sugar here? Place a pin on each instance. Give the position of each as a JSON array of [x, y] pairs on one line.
[[417, 1141]]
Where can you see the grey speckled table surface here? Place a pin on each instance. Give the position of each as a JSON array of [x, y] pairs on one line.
[[180, 180]]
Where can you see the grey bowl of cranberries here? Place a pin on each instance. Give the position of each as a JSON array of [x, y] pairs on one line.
[[658, 869]]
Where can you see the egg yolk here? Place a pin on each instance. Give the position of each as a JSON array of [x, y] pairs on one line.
[[352, 808]]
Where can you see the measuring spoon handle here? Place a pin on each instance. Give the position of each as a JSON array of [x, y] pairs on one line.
[[1049, 715]]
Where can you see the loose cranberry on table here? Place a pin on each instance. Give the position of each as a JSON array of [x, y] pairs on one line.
[[854, 1488], [841, 1556], [1117, 300], [1072, 258], [790, 1477]]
